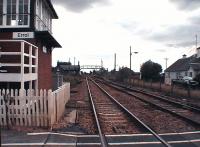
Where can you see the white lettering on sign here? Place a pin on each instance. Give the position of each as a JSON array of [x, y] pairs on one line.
[[18, 35]]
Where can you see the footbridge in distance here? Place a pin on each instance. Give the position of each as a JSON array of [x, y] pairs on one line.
[[91, 67]]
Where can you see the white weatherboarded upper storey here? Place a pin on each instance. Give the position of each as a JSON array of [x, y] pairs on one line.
[[37, 14]]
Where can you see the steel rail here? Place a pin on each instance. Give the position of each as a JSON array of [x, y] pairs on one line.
[[101, 135], [46, 140], [165, 99], [159, 107], [133, 116], [167, 110], [159, 97]]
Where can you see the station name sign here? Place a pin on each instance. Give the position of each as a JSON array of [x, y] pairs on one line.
[[23, 35]]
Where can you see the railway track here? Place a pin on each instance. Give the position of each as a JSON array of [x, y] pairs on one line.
[[118, 124], [107, 119], [179, 101], [183, 101], [181, 110]]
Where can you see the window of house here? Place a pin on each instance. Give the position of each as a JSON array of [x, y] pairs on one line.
[[177, 75], [186, 73], [23, 12], [167, 75], [11, 13], [190, 74], [44, 49], [16, 13]]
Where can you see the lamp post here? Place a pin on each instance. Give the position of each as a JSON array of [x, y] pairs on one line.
[[131, 55]]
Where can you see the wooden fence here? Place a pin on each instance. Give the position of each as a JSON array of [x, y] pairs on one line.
[[57, 103], [174, 90], [32, 107]]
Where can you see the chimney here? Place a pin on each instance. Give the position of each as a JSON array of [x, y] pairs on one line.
[[198, 52], [184, 56]]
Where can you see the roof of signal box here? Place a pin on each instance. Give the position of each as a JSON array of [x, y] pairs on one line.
[[55, 16]]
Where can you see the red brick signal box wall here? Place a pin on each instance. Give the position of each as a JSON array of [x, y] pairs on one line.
[[44, 60]]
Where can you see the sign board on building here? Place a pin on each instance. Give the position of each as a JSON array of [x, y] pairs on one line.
[[23, 35]]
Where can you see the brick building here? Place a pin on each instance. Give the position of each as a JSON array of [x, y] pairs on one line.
[[26, 44]]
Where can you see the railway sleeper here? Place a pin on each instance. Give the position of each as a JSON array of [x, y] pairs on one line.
[[120, 129], [110, 114]]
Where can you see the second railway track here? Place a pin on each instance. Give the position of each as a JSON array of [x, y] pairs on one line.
[[183, 111]]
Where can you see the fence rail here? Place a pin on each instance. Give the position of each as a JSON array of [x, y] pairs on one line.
[[33, 107]]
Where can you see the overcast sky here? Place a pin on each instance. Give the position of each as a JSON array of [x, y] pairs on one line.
[[91, 30]]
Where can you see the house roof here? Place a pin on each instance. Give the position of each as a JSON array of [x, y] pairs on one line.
[[70, 67], [47, 39], [63, 63], [184, 64], [55, 16], [67, 66]]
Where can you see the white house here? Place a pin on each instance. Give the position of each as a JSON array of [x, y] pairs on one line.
[[183, 67]]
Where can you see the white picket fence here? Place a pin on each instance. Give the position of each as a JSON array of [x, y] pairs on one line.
[[33, 108], [57, 102]]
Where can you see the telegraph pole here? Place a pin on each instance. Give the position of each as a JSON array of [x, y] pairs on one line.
[[130, 57], [166, 59], [115, 62], [101, 63], [196, 40]]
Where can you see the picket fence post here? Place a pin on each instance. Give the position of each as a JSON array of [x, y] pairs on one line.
[[33, 107]]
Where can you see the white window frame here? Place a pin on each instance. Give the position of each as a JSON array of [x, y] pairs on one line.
[[43, 20], [44, 49], [17, 13]]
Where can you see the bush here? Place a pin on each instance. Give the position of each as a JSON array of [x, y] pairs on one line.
[[150, 70], [123, 74]]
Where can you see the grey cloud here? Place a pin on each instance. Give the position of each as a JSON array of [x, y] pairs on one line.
[[171, 36], [136, 28], [79, 5], [186, 4], [177, 36], [181, 44], [195, 20]]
